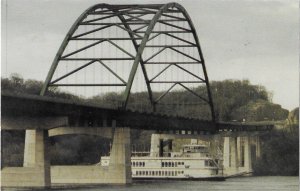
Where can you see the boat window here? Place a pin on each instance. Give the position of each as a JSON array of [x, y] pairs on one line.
[[163, 164], [206, 163], [159, 173], [169, 164], [172, 164], [146, 172], [143, 163]]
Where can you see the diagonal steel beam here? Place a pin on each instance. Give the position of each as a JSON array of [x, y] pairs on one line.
[[120, 48], [184, 54], [111, 71], [162, 71], [155, 54], [189, 72], [73, 71], [178, 38], [81, 49], [165, 93], [194, 93], [130, 31], [92, 31]]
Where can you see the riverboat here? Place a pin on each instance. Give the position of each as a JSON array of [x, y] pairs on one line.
[[193, 162]]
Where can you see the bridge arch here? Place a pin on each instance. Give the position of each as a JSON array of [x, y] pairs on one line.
[[135, 14]]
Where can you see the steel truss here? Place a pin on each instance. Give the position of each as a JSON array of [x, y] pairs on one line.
[[139, 22]]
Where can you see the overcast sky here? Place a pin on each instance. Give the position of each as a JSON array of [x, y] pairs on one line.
[[255, 40]]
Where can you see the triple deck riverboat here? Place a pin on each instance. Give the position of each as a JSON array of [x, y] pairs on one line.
[[193, 162]]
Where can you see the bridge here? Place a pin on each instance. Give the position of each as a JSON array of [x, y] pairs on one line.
[[156, 48]]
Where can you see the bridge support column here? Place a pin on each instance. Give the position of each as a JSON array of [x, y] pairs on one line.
[[239, 151], [120, 158], [233, 155], [230, 156], [257, 147], [36, 170], [247, 154], [226, 153]]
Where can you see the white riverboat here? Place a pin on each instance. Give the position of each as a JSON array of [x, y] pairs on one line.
[[193, 162]]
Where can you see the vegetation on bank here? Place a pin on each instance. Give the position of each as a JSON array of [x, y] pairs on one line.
[[234, 100], [280, 149]]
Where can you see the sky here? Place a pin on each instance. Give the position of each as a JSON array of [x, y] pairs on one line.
[[256, 40]]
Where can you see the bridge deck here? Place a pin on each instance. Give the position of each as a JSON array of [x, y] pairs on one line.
[[90, 115]]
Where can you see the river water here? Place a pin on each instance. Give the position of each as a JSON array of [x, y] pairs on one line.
[[264, 183]]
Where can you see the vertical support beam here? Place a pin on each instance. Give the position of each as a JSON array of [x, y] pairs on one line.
[[233, 154], [239, 151], [29, 148], [170, 147], [154, 150], [161, 147], [257, 147], [120, 157], [226, 153], [247, 153], [36, 156]]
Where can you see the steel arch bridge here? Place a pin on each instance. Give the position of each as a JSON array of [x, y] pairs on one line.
[[142, 26]]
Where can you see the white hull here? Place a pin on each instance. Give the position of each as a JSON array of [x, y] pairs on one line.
[[171, 168]]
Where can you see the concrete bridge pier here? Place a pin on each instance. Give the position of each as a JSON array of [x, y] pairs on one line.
[[247, 154], [36, 167], [237, 155], [239, 151], [257, 147], [230, 155], [117, 172], [234, 154], [120, 158]]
